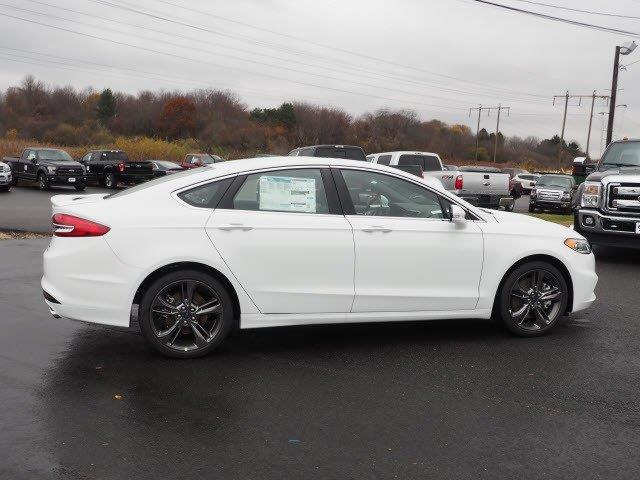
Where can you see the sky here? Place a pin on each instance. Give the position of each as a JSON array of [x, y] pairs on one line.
[[436, 57]]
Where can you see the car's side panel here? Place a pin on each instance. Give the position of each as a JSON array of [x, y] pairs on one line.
[[288, 262]]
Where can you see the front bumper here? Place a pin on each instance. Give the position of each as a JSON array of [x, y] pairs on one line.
[[69, 180], [5, 179], [608, 230], [550, 204]]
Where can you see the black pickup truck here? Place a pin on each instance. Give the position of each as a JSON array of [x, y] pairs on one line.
[[331, 151], [49, 166], [109, 167], [609, 199]]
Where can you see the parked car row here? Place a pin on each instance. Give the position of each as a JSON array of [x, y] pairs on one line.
[[54, 167]]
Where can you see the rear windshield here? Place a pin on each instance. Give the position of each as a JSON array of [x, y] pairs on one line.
[[553, 181], [351, 153], [119, 156], [429, 163], [156, 181]]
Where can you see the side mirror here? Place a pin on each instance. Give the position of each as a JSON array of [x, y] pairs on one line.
[[457, 213], [34, 160]]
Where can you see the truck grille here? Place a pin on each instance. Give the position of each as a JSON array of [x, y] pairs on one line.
[[624, 197], [549, 195], [69, 171]]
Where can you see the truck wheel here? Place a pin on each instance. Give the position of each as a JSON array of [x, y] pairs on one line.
[[43, 184], [509, 208], [14, 179], [532, 299], [186, 314], [532, 209], [110, 180]]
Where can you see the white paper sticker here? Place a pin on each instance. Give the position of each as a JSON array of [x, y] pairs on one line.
[[288, 194]]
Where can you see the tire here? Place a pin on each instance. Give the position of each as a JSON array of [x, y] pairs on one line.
[[80, 188], [509, 208], [43, 184], [532, 209], [176, 334], [523, 309], [110, 180], [14, 179]]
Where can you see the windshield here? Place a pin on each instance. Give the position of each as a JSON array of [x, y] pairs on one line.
[[550, 181], [624, 154], [54, 155]]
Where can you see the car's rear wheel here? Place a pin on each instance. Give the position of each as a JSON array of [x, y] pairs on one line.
[[533, 298], [186, 314], [532, 209]]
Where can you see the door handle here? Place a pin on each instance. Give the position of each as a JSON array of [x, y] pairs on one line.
[[235, 226], [376, 228]]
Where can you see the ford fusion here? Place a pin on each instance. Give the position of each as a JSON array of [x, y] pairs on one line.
[[299, 240]]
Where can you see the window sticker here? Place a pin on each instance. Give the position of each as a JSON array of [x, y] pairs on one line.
[[289, 194]]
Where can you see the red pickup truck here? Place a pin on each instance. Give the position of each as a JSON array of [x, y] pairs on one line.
[[193, 160]]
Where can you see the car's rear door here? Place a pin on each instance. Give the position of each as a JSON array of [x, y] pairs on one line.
[[409, 256], [283, 235]]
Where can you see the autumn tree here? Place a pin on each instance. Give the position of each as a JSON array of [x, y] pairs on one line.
[[178, 118]]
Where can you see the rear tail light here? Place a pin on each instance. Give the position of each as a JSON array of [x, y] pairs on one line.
[[121, 167], [458, 183], [70, 226]]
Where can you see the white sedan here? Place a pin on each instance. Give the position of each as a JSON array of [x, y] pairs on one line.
[[294, 240]]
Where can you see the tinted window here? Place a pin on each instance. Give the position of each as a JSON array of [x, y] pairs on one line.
[[384, 159], [300, 190], [376, 194], [428, 163], [553, 181], [338, 152], [54, 155], [624, 154], [206, 196]]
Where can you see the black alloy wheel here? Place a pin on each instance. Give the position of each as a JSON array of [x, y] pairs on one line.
[[533, 298], [186, 314]]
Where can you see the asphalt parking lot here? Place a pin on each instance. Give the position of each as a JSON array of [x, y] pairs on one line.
[[25, 208], [454, 399]]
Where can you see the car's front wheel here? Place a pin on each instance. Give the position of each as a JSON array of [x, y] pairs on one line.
[[43, 183], [186, 314], [532, 299]]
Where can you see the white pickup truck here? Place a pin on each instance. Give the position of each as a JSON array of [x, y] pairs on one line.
[[481, 186]]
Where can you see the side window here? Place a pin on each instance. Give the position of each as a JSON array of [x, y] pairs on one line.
[[86, 158], [377, 194], [207, 195], [384, 159], [300, 190], [31, 155]]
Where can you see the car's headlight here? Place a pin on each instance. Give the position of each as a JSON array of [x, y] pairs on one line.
[[566, 196], [51, 169], [591, 195], [579, 245]]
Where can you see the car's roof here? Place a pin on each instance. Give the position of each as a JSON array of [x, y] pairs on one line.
[[407, 152]]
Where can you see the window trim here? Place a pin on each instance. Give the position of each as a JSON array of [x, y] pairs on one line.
[[330, 190]]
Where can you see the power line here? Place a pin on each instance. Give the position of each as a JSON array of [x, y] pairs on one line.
[[412, 68], [207, 51], [559, 19], [589, 12]]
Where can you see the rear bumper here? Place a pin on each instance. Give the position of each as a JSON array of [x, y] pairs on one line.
[[84, 280], [489, 201]]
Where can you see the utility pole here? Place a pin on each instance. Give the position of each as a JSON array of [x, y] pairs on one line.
[[480, 108], [566, 97], [620, 50], [614, 91]]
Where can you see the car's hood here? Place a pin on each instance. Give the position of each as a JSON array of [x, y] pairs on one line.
[[64, 163], [525, 223], [599, 175]]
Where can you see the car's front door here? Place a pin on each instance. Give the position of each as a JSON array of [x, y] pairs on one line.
[[31, 165], [409, 256], [284, 238]]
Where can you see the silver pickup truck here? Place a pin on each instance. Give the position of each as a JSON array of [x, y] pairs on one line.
[[481, 186]]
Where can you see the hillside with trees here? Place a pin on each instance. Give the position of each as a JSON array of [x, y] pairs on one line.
[[168, 124]]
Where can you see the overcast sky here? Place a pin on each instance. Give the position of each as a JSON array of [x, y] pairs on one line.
[[437, 57]]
